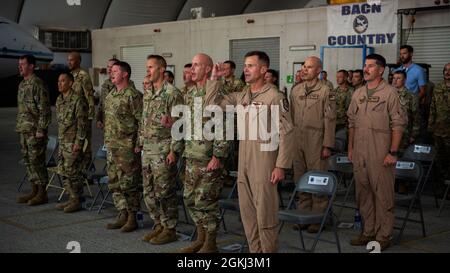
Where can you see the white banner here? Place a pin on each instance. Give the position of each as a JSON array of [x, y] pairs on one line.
[[371, 23]]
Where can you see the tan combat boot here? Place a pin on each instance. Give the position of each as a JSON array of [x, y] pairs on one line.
[[168, 235], [362, 240], [131, 224], [197, 244], [74, 205], [25, 198], [210, 245], [121, 220], [157, 229], [63, 205], [40, 198]]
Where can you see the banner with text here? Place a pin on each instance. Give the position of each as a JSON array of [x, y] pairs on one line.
[[371, 23]]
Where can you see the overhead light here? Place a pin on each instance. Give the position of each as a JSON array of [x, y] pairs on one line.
[[302, 48]]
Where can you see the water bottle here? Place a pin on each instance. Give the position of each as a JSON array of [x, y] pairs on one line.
[[358, 223], [140, 219]]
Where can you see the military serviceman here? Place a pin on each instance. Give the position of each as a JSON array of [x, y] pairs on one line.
[[229, 82], [260, 167], [204, 163], [313, 109], [376, 124], [343, 95], [160, 153], [325, 79], [123, 111], [169, 77], [271, 77], [33, 118], [187, 79], [107, 86], [439, 123], [83, 87], [358, 79], [71, 112]]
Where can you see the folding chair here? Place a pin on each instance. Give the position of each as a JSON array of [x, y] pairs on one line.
[[410, 171], [426, 155], [95, 175], [342, 166], [52, 145], [447, 183], [315, 182]]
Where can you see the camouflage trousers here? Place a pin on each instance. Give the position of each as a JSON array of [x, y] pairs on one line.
[[33, 153], [87, 152], [70, 168], [124, 175], [160, 195], [201, 194], [443, 157]]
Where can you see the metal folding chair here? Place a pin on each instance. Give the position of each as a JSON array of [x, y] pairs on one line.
[[52, 145], [410, 171], [315, 182], [447, 183]]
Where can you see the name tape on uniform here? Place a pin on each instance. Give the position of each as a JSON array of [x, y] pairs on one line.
[[343, 160], [405, 165], [422, 149], [318, 180], [104, 148]]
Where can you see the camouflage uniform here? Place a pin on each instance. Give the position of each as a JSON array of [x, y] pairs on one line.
[[439, 126], [83, 88], [123, 111], [343, 98], [410, 103], [232, 85], [107, 87], [202, 188], [72, 116], [159, 179], [34, 115]]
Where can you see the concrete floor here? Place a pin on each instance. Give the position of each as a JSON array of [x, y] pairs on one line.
[[44, 229]]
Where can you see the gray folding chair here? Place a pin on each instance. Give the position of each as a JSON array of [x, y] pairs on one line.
[[426, 155], [410, 171], [447, 183], [50, 160], [320, 183], [342, 167]]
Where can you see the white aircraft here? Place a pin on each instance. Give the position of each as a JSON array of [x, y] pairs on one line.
[[15, 42]]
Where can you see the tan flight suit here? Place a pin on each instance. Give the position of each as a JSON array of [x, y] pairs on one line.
[[258, 197], [314, 118], [373, 119]]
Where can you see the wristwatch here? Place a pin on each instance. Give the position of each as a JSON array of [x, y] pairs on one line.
[[393, 153]]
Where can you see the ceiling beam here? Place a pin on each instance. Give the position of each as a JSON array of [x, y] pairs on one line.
[[177, 14], [19, 10], [105, 13], [245, 6]]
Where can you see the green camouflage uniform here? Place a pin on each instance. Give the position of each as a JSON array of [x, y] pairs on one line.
[[233, 85], [439, 126], [343, 98], [159, 179], [72, 116], [410, 103], [202, 188], [83, 88], [123, 111], [34, 115], [107, 87]]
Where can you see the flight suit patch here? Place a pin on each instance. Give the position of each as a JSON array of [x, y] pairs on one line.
[[313, 97], [374, 99]]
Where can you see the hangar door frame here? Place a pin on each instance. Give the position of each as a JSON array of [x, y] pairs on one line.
[[431, 46], [363, 48], [136, 57], [240, 47]]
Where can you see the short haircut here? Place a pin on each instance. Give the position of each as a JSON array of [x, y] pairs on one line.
[[380, 60], [189, 65], [159, 59], [124, 67], [343, 71], [273, 72], [262, 56], [350, 71], [358, 71], [170, 74], [231, 63], [401, 72], [69, 75], [30, 59], [408, 47], [114, 60], [325, 72]]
